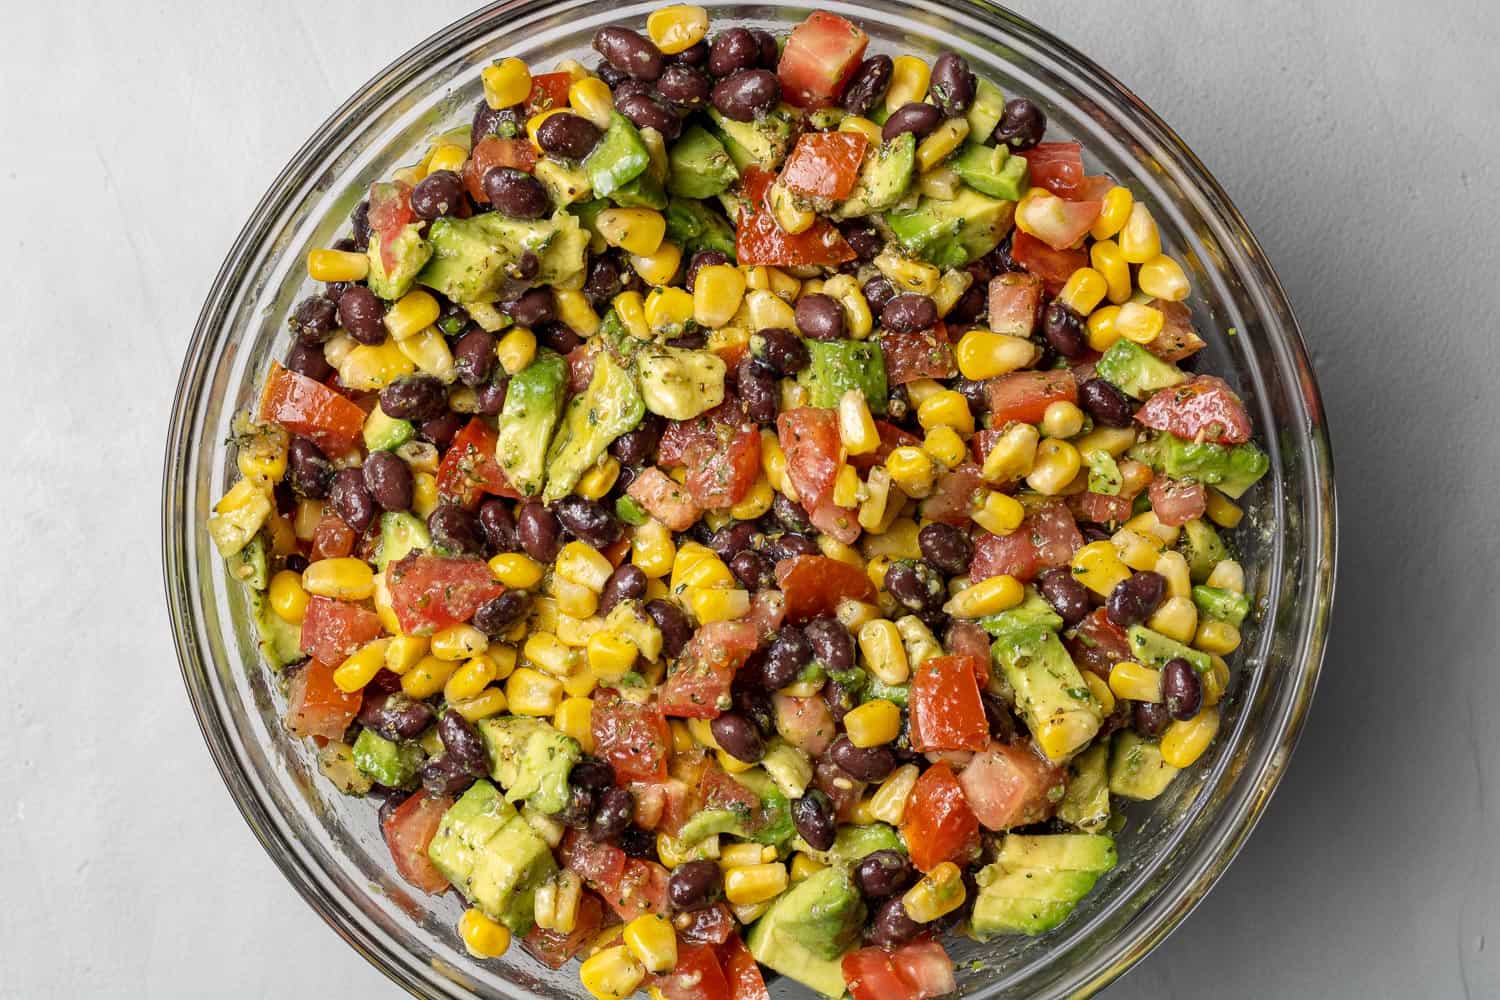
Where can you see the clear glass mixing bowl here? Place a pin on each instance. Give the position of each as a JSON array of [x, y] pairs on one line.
[[1172, 850]]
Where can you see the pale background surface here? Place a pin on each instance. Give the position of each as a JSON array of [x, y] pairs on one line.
[[1359, 139]]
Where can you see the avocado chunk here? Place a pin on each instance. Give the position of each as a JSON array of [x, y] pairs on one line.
[[763, 142], [471, 257], [1136, 767], [694, 226], [769, 822], [409, 253], [280, 640], [1232, 470], [1050, 692], [248, 565], [566, 254], [1137, 372], [883, 178], [531, 760], [789, 767], [840, 365], [708, 822], [383, 433], [609, 407], [698, 165], [1153, 649], [533, 402], [507, 873], [952, 233], [1028, 622], [1085, 804], [400, 533], [619, 158], [1219, 604], [465, 829], [678, 384], [643, 192], [984, 113], [565, 185], [1037, 881], [853, 842], [795, 936], [991, 170], [391, 764], [1201, 545]]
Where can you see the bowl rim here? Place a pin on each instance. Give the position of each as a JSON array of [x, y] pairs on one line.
[[1321, 541]]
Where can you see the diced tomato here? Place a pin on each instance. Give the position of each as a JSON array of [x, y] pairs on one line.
[[946, 713], [814, 585], [810, 438], [1202, 406], [642, 889], [1177, 339], [742, 971], [767, 612], [721, 450], [870, 975], [842, 523], [926, 968], [307, 407], [1057, 222], [1100, 508], [758, 239], [1092, 188], [824, 165], [968, 639], [891, 438], [408, 831], [493, 151], [660, 805], [1053, 266], [553, 948], [805, 723], [910, 356], [430, 592], [1177, 501], [548, 91], [1004, 555], [712, 925], [1056, 166], [698, 686], [732, 353], [721, 791], [696, 976], [332, 538], [389, 213], [581, 366], [469, 470], [1009, 786], [1098, 644], [315, 706], [601, 865], [332, 630], [821, 55], [632, 737], [939, 825], [1025, 396], [664, 499], [1015, 302], [952, 498]]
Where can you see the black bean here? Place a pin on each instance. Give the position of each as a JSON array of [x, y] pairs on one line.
[[1151, 718], [694, 341], [1103, 402], [297, 562], [395, 716], [862, 763], [1181, 688], [441, 429], [308, 359], [645, 111], [516, 193], [694, 55], [915, 584], [882, 874], [360, 220], [700, 260], [812, 815], [733, 50], [820, 317], [592, 773], [474, 357], [496, 121], [1069, 598], [758, 390], [539, 532], [738, 737], [629, 52], [909, 313], [840, 700], [626, 583], [732, 538], [675, 630], [1092, 532], [608, 74], [496, 616], [831, 643], [976, 393], [970, 305], [558, 336], [603, 281], [567, 135], [917, 118], [868, 84], [891, 927], [588, 520], [578, 810], [490, 398], [612, 815], [694, 885], [684, 86], [632, 87], [781, 349], [746, 93], [463, 743], [308, 469], [997, 714], [879, 293], [438, 194], [863, 238], [1022, 125], [770, 54], [350, 500], [753, 570], [946, 547], [532, 308], [953, 85], [499, 527], [789, 653], [444, 775], [314, 320], [634, 448], [790, 513], [454, 531], [414, 397], [1064, 330], [789, 545], [1136, 598], [391, 799]]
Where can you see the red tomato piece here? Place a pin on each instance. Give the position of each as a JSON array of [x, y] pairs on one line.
[[1047, 537], [1015, 302], [713, 926], [842, 523], [1054, 533], [926, 968], [939, 825], [721, 450], [952, 498], [1056, 166], [332, 538], [1008, 786], [1098, 644], [1100, 508], [469, 470], [946, 713], [824, 165], [389, 213], [552, 948], [431, 592], [967, 639], [696, 976], [810, 438], [642, 889], [910, 356], [601, 865], [1052, 266], [1176, 501], [408, 831], [548, 91], [315, 706], [870, 975], [805, 723], [720, 791], [653, 800], [1202, 407], [631, 736], [664, 499], [821, 55], [767, 611], [698, 686], [814, 585], [332, 630], [1092, 188], [891, 438], [742, 971], [1177, 339], [1057, 222], [307, 407], [758, 239], [493, 151], [1025, 396]]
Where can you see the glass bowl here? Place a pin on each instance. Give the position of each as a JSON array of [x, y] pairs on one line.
[[1172, 850]]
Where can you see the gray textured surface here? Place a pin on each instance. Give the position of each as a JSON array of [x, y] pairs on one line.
[[1360, 140]]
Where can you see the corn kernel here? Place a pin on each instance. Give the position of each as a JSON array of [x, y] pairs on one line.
[[998, 513], [458, 642], [360, 666], [921, 645], [1162, 277], [1184, 742], [773, 279], [489, 702], [347, 579], [941, 143], [909, 79], [337, 265], [428, 677], [574, 717], [1098, 567], [1138, 551], [1099, 688], [1227, 574], [768, 311], [756, 502], [659, 267], [1012, 456], [717, 604], [1131, 681], [1219, 638], [1173, 567], [865, 127], [630, 307], [288, 599], [1215, 682], [652, 549], [531, 692], [592, 98], [1177, 618], [599, 479], [1148, 523], [581, 563], [369, 367], [908, 275], [413, 312], [788, 211], [1084, 290], [516, 570], [506, 84], [888, 804], [856, 426], [940, 891], [612, 973], [545, 650], [610, 656], [874, 723], [1118, 202], [1102, 329], [718, 291], [668, 309], [981, 354], [1056, 465], [755, 883], [470, 679], [637, 231], [987, 597], [516, 350], [1139, 238], [945, 445], [675, 29], [1062, 419], [1109, 261], [447, 156], [1223, 511], [483, 937], [912, 470], [804, 865], [947, 408], [574, 310], [652, 940], [428, 350], [1139, 323]]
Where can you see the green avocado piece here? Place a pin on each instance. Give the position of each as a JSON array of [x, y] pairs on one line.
[[609, 407], [1037, 880], [707, 822], [680, 384], [619, 158], [567, 252], [1085, 804], [826, 914], [853, 842], [1136, 768], [391, 764], [465, 829], [840, 365], [1028, 622], [471, 257], [1048, 687], [632, 513], [694, 226], [411, 254], [984, 113], [1135, 371], [1232, 470], [952, 233], [248, 565], [789, 767], [772, 822], [1219, 604], [280, 640], [991, 170], [507, 873], [1153, 649], [699, 166], [1058, 851], [883, 180], [533, 402], [763, 142], [643, 192], [565, 185], [1201, 545], [400, 533], [383, 433], [531, 760], [783, 952]]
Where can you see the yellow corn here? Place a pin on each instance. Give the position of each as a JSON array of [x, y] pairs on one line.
[[876, 569], [790, 214], [1098, 567], [1099, 688], [1138, 551], [987, 597], [804, 865], [982, 354], [374, 366], [1172, 567], [611, 974], [946, 446], [458, 642], [1219, 638], [703, 735], [1056, 465], [337, 265], [873, 723], [573, 309], [413, 312], [1133, 682], [653, 942], [347, 579], [951, 288], [506, 84], [941, 143], [1083, 291], [675, 29], [717, 604], [998, 513], [1215, 682], [755, 883], [516, 570], [1118, 202], [856, 427], [581, 563], [592, 98], [1013, 455], [668, 309], [888, 804], [631, 309], [1062, 419], [483, 937], [1184, 742], [516, 350], [637, 231], [1139, 239], [487, 703], [652, 549], [610, 656], [574, 717], [697, 565], [1108, 260], [1162, 277], [1102, 329], [682, 737], [920, 390], [428, 677], [531, 692], [660, 266], [555, 905], [909, 79], [938, 892], [1139, 323], [448, 156], [287, 597], [764, 278], [535, 122], [857, 319], [908, 275], [1227, 574], [865, 127], [546, 650], [912, 470], [921, 645], [718, 291], [946, 408], [767, 310], [1223, 511], [428, 350], [1062, 735], [360, 666], [846, 486], [470, 679], [756, 502], [1147, 523], [1177, 618], [599, 479]]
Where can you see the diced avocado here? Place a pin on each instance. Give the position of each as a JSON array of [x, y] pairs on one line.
[[643, 192], [400, 533], [280, 640], [700, 168], [467, 826], [1231, 470], [763, 142], [827, 912], [883, 178], [410, 254], [840, 365], [531, 760], [1028, 622], [1201, 545], [567, 253], [1085, 804], [1104, 473], [707, 822], [609, 407], [1058, 851], [1219, 604], [853, 842], [771, 823], [789, 767], [391, 764], [991, 170], [1050, 692], [565, 185], [1037, 881], [678, 384], [985, 112], [825, 119], [383, 433], [1137, 372], [248, 565], [619, 158], [470, 257], [952, 233], [1153, 649], [507, 873], [694, 226], [1136, 767], [533, 402], [630, 512], [776, 949]]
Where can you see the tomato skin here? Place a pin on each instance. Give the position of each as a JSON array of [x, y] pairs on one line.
[[1177, 339], [698, 686], [664, 499], [742, 971], [468, 470], [332, 630], [912, 356], [1024, 396], [431, 592], [824, 165], [493, 151], [721, 450], [696, 976], [968, 639], [946, 712], [553, 949], [870, 975], [307, 407], [814, 585], [1203, 405], [1015, 302], [842, 523], [631, 736], [390, 212], [809, 436], [1004, 555], [642, 889], [758, 239], [332, 538], [1008, 786], [767, 612], [939, 825], [1175, 501], [1098, 644], [407, 833], [315, 706], [926, 968], [1056, 166], [1100, 508], [821, 55], [548, 91], [952, 499], [1052, 266], [601, 865]]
